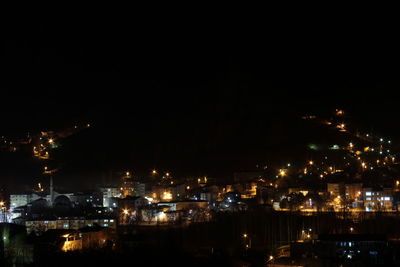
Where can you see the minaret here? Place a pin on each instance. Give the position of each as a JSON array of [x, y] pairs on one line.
[[51, 190]]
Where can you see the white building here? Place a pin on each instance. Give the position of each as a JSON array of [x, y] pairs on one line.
[[378, 199], [108, 193], [18, 200]]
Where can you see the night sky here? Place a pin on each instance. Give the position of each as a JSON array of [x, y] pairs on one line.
[[190, 98]]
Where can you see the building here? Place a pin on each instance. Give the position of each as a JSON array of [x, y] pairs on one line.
[[377, 198], [139, 189], [93, 199], [17, 200], [250, 190], [353, 194], [127, 188], [75, 223], [336, 189], [184, 205], [108, 194], [132, 203]]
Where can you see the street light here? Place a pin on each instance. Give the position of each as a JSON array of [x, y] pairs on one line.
[[247, 244]]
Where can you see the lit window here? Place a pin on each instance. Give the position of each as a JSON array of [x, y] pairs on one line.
[[105, 225], [368, 193], [386, 198], [368, 198], [111, 220]]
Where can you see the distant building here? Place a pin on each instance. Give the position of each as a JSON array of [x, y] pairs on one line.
[[132, 203], [184, 205], [139, 189], [93, 199], [42, 225], [353, 193], [17, 200], [336, 189], [127, 188], [108, 193], [250, 190], [376, 199]]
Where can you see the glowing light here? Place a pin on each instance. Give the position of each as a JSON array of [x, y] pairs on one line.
[[51, 141], [167, 195], [245, 235], [125, 211], [310, 162], [363, 165], [162, 216], [154, 172], [282, 172], [339, 112]]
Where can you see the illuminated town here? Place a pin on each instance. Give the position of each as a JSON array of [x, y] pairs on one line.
[[350, 182], [160, 141]]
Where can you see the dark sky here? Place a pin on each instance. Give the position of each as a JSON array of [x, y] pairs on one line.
[[198, 98]]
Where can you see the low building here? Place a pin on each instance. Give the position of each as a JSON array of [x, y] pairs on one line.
[[184, 205], [108, 193], [132, 203], [377, 198], [92, 199], [353, 194], [68, 223], [18, 200], [336, 189]]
